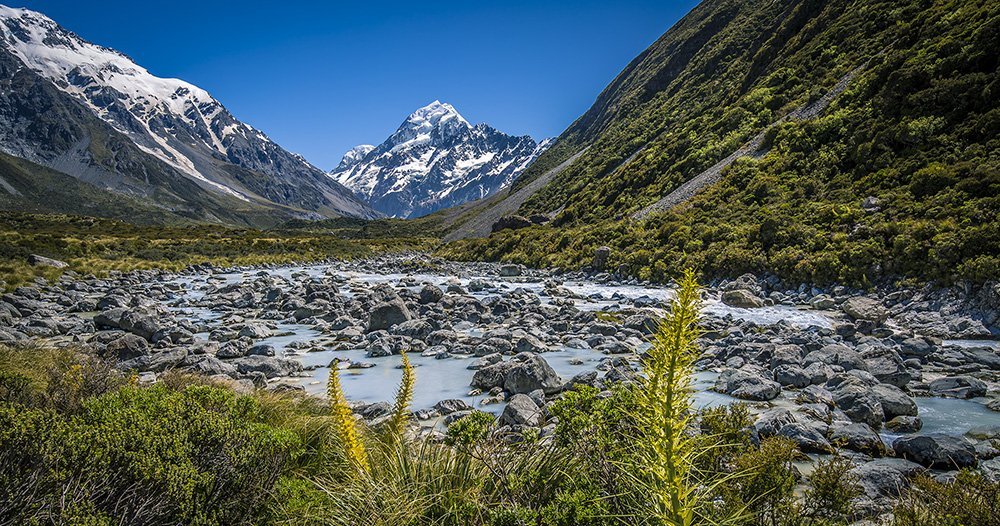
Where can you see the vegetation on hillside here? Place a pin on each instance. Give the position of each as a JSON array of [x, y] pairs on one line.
[[917, 130], [92, 245]]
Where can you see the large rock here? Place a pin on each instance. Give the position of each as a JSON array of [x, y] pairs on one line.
[[127, 347], [860, 405], [771, 421], [510, 270], [529, 372], [835, 354], [271, 367], [889, 369], [792, 376], [862, 308], [451, 405], [430, 294], [42, 261], [521, 410], [387, 314], [255, 331], [109, 319], [491, 376], [808, 438], [741, 298], [749, 385], [208, 365], [857, 437], [958, 387], [894, 401], [139, 324], [937, 451], [786, 355], [514, 222], [885, 477]]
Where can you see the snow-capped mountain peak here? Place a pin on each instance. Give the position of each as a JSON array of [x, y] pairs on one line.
[[435, 159], [435, 119]]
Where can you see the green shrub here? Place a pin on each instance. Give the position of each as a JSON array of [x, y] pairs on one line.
[[150, 456], [970, 500]]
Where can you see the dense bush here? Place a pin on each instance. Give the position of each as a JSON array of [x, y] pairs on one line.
[[141, 456]]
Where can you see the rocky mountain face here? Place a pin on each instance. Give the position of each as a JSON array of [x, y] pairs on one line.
[[435, 160], [93, 113]]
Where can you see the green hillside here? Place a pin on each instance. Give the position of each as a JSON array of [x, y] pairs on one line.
[[916, 129]]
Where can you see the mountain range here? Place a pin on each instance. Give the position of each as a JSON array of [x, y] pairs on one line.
[[434, 160], [92, 113]]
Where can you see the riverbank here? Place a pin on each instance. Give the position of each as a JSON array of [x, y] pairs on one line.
[[894, 380]]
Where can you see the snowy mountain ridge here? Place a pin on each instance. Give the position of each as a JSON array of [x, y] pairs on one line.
[[173, 120], [435, 159]]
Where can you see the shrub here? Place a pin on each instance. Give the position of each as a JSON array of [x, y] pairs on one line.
[[970, 500], [149, 455]]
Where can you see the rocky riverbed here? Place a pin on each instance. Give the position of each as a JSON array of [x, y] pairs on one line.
[[898, 380]]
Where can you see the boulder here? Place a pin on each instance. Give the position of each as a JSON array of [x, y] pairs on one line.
[[885, 477], [138, 324], [530, 344], [127, 347], [857, 437], [835, 354], [860, 405], [937, 451], [271, 367], [889, 369], [513, 222], [261, 349], [109, 319], [894, 401], [862, 308], [529, 372], [741, 298], [208, 365], [42, 261], [792, 376], [958, 387], [387, 314], [786, 355], [490, 377], [521, 410], [255, 331], [510, 270], [430, 294], [771, 421], [451, 405], [808, 438], [749, 385], [904, 424]]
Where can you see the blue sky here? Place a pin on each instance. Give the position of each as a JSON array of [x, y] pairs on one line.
[[321, 77]]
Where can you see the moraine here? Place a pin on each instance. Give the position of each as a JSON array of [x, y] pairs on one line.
[[813, 364]]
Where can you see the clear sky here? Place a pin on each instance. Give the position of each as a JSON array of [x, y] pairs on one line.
[[321, 77]]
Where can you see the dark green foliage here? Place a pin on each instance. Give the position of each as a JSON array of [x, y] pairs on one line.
[[142, 456], [970, 500], [470, 429], [918, 130]]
